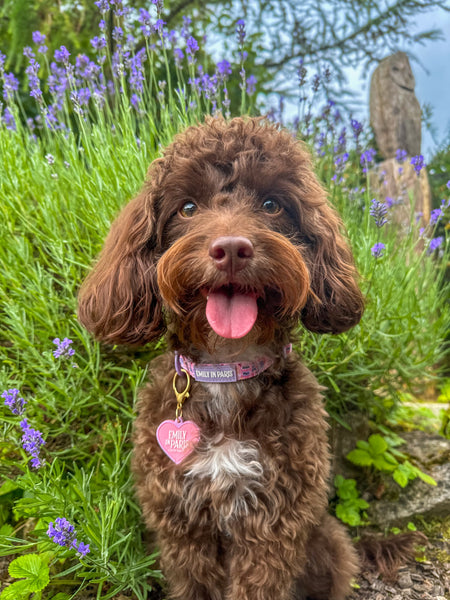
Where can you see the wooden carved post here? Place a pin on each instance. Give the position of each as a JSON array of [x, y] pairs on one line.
[[395, 116]]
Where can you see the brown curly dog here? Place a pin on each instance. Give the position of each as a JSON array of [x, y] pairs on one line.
[[228, 245]]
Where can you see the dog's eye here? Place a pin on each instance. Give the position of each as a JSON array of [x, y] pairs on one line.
[[271, 206], [188, 210]]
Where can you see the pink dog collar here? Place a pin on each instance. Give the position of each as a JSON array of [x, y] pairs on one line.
[[225, 372]]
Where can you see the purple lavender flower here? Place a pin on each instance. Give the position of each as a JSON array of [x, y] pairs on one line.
[[179, 55], [28, 52], [389, 201], [62, 55], [367, 158], [251, 85], [434, 244], [436, 215], [62, 532], [63, 348], [9, 120], [378, 250], [185, 31], [240, 31], [10, 85], [81, 548], [223, 68], [2, 63], [38, 37], [33, 79], [98, 43], [32, 441], [14, 402], [117, 33], [357, 128], [159, 26], [378, 211], [191, 48], [103, 5], [418, 163], [448, 184], [400, 155]]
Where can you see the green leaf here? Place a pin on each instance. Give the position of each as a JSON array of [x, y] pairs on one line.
[[360, 457], [16, 591], [348, 514], [33, 568], [400, 477], [377, 444], [427, 478], [411, 526], [347, 490]]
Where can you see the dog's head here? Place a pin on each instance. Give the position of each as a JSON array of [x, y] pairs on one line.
[[231, 237]]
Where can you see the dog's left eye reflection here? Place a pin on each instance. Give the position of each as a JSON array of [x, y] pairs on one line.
[[271, 206], [188, 210]]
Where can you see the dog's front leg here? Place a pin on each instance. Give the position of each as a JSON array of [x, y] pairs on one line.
[[191, 564], [265, 559]]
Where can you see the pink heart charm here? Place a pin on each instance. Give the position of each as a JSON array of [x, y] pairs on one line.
[[178, 438]]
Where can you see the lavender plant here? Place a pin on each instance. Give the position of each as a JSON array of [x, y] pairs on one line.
[[68, 167]]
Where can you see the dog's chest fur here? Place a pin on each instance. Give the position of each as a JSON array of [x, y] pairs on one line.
[[232, 470]]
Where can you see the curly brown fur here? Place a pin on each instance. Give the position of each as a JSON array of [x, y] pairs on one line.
[[244, 516]]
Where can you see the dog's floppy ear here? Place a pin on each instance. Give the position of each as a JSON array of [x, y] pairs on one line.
[[119, 301], [336, 303]]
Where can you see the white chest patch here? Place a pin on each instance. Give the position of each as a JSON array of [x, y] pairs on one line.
[[233, 469], [228, 461]]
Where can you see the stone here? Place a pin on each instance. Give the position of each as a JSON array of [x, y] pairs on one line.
[[431, 454], [395, 113], [408, 192]]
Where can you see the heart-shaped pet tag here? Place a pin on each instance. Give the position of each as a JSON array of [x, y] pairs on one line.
[[178, 438]]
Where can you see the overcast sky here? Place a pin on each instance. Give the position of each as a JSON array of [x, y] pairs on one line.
[[432, 85]]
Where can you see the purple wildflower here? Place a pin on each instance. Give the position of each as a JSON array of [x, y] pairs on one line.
[[10, 85], [378, 211], [81, 548], [179, 55], [436, 215], [357, 128], [117, 33], [185, 32], [400, 155], [62, 55], [14, 402], [38, 37], [33, 79], [418, 163], [448, 184], [98, 43], [434, 244], [251, 85], [62, 532], [367, 157], [159, 25], [240, 31], [191, 45], [378, 250], [103, 5], [32, 441], [63, 348], [9, 120], [159, 5], [28, 52], [2, 63], [223, 68]]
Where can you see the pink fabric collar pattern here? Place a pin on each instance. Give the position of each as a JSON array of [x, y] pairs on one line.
[[225, 372]]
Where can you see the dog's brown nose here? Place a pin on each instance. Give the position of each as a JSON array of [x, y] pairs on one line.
[[231, 253]]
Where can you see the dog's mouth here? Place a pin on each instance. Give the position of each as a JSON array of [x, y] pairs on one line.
[[231, 311]]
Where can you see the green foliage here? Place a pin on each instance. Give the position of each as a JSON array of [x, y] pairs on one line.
[[350, 506], [383, 456], [33, 571]]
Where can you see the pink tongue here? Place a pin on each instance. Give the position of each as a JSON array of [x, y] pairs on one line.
[[231, 316]]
